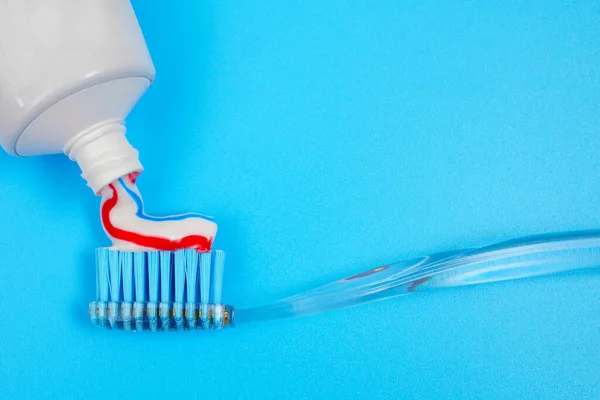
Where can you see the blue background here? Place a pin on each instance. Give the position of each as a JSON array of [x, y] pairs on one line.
[[328, 138]]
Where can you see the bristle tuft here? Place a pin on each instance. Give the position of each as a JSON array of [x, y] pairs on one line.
[[127, 272], [153, 278], [179, 276], [165, 276], [102, 284], [114, 271], [191, 274], [218, 269], [139, 270], [205, 261]]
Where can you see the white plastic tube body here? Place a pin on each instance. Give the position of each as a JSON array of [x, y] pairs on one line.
[[70, 72]]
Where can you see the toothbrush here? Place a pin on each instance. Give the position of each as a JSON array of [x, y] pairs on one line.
[[521, 258]]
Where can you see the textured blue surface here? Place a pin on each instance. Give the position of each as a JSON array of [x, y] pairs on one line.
[[327, 139]]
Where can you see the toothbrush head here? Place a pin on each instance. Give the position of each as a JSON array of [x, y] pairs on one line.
[[160, 291]]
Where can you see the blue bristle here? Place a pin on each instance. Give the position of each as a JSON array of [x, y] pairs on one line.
[[179, 275], [165, 276], [102, 285], [205, 278], [139, 270], [127, 271], [97, 277], [153, 280], [191, 273], [217, 282], [114, 271]]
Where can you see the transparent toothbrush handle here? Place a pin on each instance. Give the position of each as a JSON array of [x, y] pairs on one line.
[[516, 259]]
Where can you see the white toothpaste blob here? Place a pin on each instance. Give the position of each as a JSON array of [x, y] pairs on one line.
[[130, 229]]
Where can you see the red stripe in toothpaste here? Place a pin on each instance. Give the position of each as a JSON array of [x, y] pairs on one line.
[[196, 242]]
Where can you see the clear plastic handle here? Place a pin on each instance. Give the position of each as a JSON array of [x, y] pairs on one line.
[[515, 259]]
